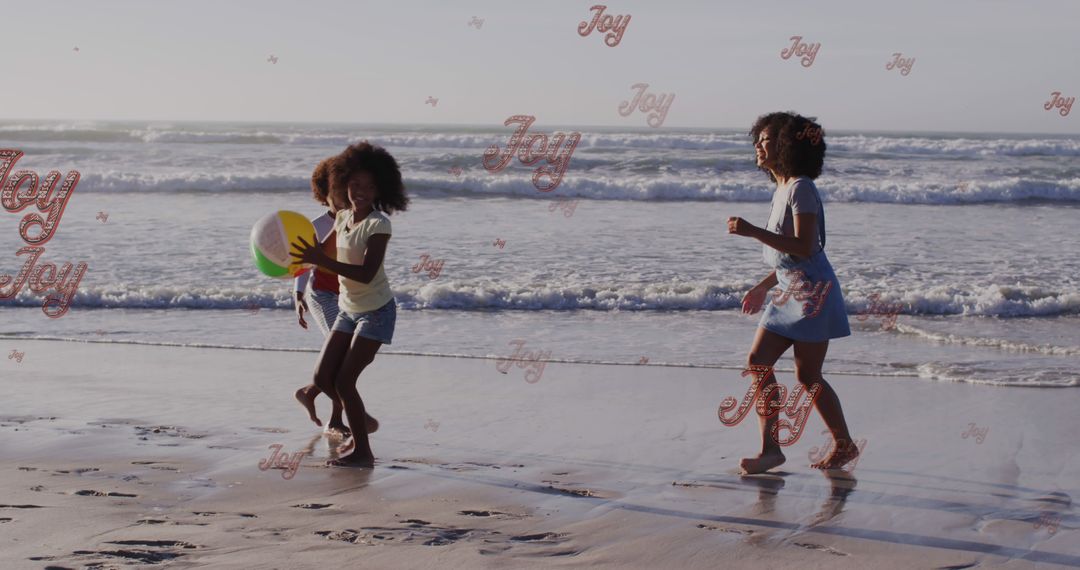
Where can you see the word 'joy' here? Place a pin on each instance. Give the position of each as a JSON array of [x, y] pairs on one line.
[[649, 103], [904, 65], [523, 360], [1049, 521], [810, 133], [565, 204], [15, 198], [496, 160], [278, 460], [887, 312], [767, 406], [476, 22], [432, 425], [455, 170], [644, 360], [602, 22], [813, 295], [16, 355], [801, 49], [977, 434], [102, 216], [819, 454], [433, 100], [499, 243], [272, 59], [1056, 100], [433, 267]]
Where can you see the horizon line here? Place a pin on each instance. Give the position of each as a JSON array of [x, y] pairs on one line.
[[489, 125]]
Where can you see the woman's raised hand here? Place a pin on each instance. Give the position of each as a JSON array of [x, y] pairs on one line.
[[754, 299], [739, 226]]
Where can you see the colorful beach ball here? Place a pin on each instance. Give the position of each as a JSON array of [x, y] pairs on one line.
[[270, 243]]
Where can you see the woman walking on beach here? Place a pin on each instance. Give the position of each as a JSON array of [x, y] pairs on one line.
[[371, 179], [791, 150]]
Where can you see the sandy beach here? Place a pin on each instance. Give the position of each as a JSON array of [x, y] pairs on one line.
[[118, 455]]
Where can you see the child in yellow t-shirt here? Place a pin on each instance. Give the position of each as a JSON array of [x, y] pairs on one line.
[[371, 179]]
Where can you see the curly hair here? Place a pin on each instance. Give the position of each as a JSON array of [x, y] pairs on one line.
[[365, 157], [800, 143], [320, 182]]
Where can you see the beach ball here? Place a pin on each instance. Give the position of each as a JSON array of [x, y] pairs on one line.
[[270, 243]]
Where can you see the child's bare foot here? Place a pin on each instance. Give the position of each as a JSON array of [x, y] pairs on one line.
[[306, 397], [763, 462], [353, 460], [346, 447], [337, 429], [845, 453]]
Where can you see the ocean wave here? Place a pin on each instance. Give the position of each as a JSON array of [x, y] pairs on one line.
[[996, 343], [1043, 377], [602, 184], [477, 295], [457, 137], [956, 146]]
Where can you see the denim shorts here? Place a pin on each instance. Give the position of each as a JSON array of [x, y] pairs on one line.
[[375, 325]]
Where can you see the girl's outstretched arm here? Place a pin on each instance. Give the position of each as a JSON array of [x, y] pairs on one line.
[[363, 272], [802, 244]]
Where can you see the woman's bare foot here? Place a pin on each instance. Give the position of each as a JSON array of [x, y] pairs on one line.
[[845, 453], [306, 397], [763, 462], [353, 460]]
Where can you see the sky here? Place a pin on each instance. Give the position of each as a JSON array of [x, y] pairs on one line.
[[979, 66]]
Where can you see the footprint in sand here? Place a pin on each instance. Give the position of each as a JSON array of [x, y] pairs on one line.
[[146, 432], [466, 466], [79, 471], [725, 529], [820, 547], [99, 558], [154, 543], [91, 493], [313, 505], [576, 492], [176, 523], [539, 538], [416, 530], [492, 514], [269, 429]]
